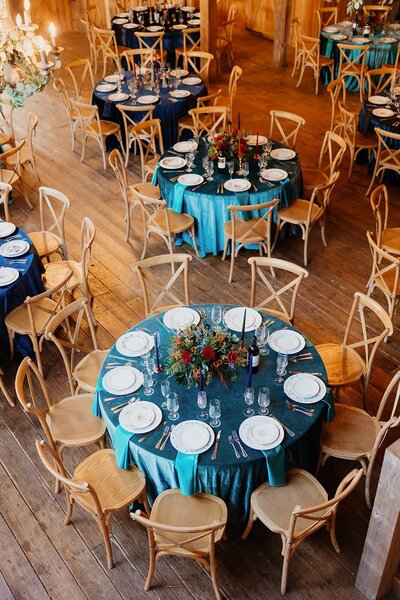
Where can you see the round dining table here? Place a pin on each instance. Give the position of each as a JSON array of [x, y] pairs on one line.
[[209, 206], [230, 477], [168, 109], [29, 283]]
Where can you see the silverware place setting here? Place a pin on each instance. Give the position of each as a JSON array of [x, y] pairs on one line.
[[294, 408], [303, 356], [288, 431], [164, 433], [232, 443], [167, 438], [144, 437], [237, 441]]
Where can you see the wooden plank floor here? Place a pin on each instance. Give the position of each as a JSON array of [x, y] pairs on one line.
[[39, 557]]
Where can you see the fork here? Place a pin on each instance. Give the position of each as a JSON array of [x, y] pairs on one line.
[[261, 180], [305, 411], [289, 431], [238, 442], [166, 438], [230, 440], [164, 433], [150, 432]]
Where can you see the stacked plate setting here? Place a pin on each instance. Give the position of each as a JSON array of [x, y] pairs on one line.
[[122, 380], [140, 417], [181, 317], [6, 229], [304, 388], [237, 185], [8, 275], [134, 343], [192, 437], [233, 319], [261, 433], [286, 341], [14, 248]]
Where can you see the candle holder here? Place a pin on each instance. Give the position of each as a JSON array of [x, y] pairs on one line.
[[29, 30], [240, 171], [256, 154], [158, 369]]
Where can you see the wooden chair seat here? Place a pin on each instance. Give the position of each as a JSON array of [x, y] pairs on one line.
[[362, 141], [273, 313], [325, 62], [55, 272], [274, 505], [103, 127], [259, 234], [391, 240], [72, 422], [151, 165], [45, 242], [148, 189], [8, 176], [75, 113], [351, 434], [297, 212], [179, 222], [18, 319], [186, 123], [313, 178], [5, 138], [343, 364], [24, 156], [87, 370], [114, 487]]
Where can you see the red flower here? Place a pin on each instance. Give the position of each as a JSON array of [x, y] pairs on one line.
[[232, 357], [186, 356], [208, 352]]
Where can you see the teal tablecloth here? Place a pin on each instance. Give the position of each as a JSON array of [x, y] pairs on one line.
[[209, 209], [227, 477]]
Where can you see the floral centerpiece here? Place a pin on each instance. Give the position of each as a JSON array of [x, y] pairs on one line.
[[197, 353], [355, 5], [230, 143]]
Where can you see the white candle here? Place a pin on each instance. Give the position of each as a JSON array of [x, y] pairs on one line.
[[52, 30], [18, 21], [27, 13]]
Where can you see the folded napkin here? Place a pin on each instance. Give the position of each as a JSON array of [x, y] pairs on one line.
[[154, 179], [177, 199], [329, 413], [107, 108], [123, 34], [186, 467], [276, 466], [284, 194], [121, 445], [96, 404]]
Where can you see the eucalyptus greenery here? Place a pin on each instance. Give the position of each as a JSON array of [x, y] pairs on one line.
[[354, 5]]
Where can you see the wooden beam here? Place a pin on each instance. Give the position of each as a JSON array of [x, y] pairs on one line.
[[381, 554], [208, 32], [107, 13], [282, 31]]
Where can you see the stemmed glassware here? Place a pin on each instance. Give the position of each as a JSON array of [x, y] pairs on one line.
[[189, 161], [148, 383], [245, 169], [146, 353], [249, 399], [173, 406], [202, 404], [205, 162], [210, 170], [281, 364], [215, 412], [231, 168], [165, 389], [262, 335], [263, 400], [267, 148], [216, 316]]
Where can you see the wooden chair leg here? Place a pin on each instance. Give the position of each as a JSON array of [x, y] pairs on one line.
[[213, 570], [332, 533], [70, 506], [285, 570], [107, 542], [250, 523], [193, 236], [152, 565], [5, 392]]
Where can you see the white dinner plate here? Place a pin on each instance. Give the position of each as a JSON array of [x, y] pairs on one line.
[[139, 8], [194, 22], [286, 341], [197, 15], [331, 29], [233, 318], [134, 343], [283, 154], [14, 248], [378, 100], [122, 380], [304, 388], [237, 185], [190, 179], [179, 93], [189, 146], [179, 27], [140, 417], [382, 112], [188, 9], [179, 73], [172, 162], [155, 28], [338, 36], [120, 21], [112, 78], [360, 40], [8, 275], [122, 15], [252, 140], [191, 81], [6, 228], [148, 99], [131, 25], [261, 432], [180, 317], [388, 40], [192, 437], [106, 87], [118, 97], [274, 174]]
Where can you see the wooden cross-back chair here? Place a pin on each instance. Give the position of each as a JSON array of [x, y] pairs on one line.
[[376, 8], [386, 237], [98, 486], [81, 375], [151, 146], [234, 77], [7, 122], [203, 101], [326, 16], [298, 509], [53, 206], [208, 119], [5, 190], [355, 140], [357, 436], [82, 76], [4, 390], [311, 58], [198, 62], [337, 93], [27, 154], [32, 317], [185, 526], [307, 213], [387, 156], [385, 275], [165, 291], [330, 157], [297, 30], [285, 127], [93, 14], [152, 41], [352, 63], [343, 363], [239, 231], [142, 113], [276, 296], [109, 48], [72, 112], [380, 80], [162, 221], [146, 58], [94, 47], [191, 42], [225, 37], [11, 159]]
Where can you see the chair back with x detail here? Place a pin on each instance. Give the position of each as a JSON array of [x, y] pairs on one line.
[[287, 125]]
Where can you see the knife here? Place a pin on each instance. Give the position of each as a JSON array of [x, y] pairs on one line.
[[198, 186], [167, 438], [214, 456]]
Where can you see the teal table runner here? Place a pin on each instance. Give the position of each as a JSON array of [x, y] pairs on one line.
[[227, 477]]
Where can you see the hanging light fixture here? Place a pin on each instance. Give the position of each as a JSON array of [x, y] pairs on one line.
[[25, 67]]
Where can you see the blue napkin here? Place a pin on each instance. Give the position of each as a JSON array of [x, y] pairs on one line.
[[154, 180], [275, 466], [96, 404], [329, 413], [177, 201], [284, 194], [243, 198], [186, 467], [107, 108], [122, 33], [121, 445]]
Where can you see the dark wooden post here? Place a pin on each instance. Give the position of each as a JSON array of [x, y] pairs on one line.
[[208, 32], [381, 554], [282, 31]]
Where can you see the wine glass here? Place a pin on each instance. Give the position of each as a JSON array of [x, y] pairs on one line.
[[148, 383], [249, 399], [210, 170], [196, 141], [215, 412], [202, 404], [165, 389], [189, 161], [216, 316], [245, 169], [262, 339], [263, 400], [281, 364], [146, 352], [231, 167], [173, 406], [205, 163], [181, 18]]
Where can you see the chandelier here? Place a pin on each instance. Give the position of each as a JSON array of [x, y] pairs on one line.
[[25, 67]]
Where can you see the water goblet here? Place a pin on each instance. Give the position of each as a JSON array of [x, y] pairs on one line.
[[216, 316], [196, 142], [215, 412], [181, 18], [263, 400], [202, 404], [281, 364], [262, 335], [249, 399], [165, 389], [210, 170], [245, 169], [173, 406], [146, 353], [205, 162], [231, 168], [148, 383], [176, 83], [189, 161]]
